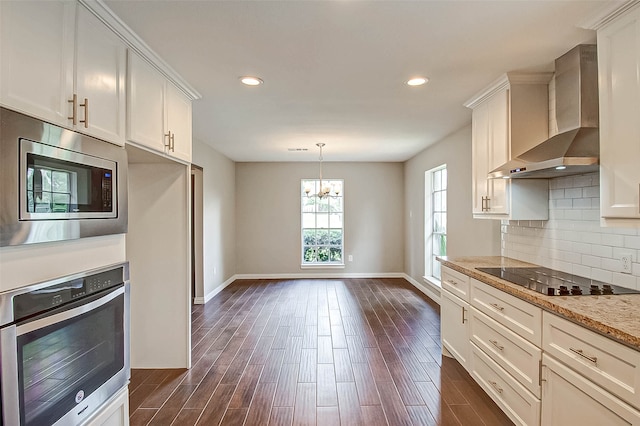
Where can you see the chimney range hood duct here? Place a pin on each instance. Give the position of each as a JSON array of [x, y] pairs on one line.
[[576, 148]]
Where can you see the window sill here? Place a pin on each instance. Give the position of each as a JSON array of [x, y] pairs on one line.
[[432, 281], [327, 266]]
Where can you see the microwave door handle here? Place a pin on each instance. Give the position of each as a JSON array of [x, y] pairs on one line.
[[71, 313]]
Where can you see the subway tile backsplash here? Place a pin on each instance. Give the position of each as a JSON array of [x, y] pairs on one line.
[[572, 239]]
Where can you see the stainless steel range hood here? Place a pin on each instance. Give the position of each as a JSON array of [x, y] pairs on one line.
[[576, 148]]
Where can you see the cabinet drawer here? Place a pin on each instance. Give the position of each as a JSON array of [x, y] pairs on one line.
[[456, 283], [570, 399], [518, 357], [607, 363], [519, 316], [522, 407]]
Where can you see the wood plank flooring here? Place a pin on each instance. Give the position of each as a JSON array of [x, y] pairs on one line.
[[314, 352]]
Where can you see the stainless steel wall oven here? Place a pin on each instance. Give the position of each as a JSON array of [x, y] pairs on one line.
[[56, 184], [64, 347]]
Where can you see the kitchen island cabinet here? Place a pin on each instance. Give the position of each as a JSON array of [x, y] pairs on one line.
[[63, 65], [619, 87]]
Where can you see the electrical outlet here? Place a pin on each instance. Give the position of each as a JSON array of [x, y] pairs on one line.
[[626, 263], [350, 258]]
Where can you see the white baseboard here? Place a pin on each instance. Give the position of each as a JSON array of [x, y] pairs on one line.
[[207, 297], [430, 290], [309, 275]]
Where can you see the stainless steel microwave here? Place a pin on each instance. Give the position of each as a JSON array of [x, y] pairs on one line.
[[57, 184]]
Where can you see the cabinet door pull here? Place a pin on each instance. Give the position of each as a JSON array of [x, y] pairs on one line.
[[580, 352], [496, 387], [168, 142], [463, 318], [496, 307], [173, 142], [452, 282], [488, 208], [74, 109], [85, 105], [483, 207], [497, 345]]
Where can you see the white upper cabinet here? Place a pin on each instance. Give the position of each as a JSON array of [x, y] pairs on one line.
[[159, 114], [62, 64], [509, 118], [101, 66], [619, 86]]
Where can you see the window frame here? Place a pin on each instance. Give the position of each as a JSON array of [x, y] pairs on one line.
[[303, 247], [431, 265]]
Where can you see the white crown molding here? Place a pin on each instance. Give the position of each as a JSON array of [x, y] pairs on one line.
[[608, 13], [106, 15], [504, 81]]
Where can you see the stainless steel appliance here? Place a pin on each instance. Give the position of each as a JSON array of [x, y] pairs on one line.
[[556, 283], [64, 347], [576, 147], [56, 184]]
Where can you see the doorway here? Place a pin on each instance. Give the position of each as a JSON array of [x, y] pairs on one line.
[[197, 281]]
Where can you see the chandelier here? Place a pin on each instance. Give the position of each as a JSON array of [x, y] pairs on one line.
[[324, 191]]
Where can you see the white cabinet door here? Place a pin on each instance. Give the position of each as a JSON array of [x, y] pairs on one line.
[[159, 114], [454, 323], [479, 155], [115, 413], [145, 99], [100, 79], [490, 149], [36, 74], [497, 202], [570, 399], [619, 85], [178, 122]]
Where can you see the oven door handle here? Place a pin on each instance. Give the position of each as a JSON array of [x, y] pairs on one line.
[[28, 327]]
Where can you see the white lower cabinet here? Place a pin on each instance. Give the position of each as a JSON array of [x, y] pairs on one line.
[[515, 355], [522, 407], [568, 398], [539, 368], [115, 413], [454, 323]]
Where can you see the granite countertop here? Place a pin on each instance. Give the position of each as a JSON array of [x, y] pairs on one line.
[[615, 316]]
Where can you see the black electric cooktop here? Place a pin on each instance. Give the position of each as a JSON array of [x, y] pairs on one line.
[[555, 283]]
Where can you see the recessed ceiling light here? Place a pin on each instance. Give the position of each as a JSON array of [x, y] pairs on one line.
[[417, 81], [251, 81]]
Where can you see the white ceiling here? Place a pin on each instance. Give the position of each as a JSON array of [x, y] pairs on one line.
[[335, 71]]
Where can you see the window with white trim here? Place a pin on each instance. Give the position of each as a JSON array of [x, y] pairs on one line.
[[322, 222], [435, 226]]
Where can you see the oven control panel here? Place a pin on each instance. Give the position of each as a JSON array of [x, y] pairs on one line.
[[45, 298]]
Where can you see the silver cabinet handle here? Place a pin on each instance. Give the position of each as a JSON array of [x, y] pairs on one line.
[[452, 282], [168, 142], [173, 142], [74, 109], [497, 345], [463, 318], [580, 352], [85, 105], [496, 387], [485, 204], [496, 307]]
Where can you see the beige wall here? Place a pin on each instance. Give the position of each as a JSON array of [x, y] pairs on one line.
[[465, 236], [159, 255], [219, 223], [268, 216]]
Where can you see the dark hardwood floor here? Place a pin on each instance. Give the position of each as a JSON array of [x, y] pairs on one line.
[[325, 352]]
